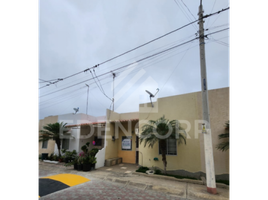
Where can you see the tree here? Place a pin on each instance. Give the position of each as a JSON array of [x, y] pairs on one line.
[[160, 131], [224, 146], [53, 131]]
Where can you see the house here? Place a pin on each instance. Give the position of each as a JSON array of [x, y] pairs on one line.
[[116, 135], [47, 146]]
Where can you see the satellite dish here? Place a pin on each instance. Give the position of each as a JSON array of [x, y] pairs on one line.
[[151, 95], [76, 110]]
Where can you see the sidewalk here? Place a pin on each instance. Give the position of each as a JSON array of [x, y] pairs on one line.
[[125, 174]]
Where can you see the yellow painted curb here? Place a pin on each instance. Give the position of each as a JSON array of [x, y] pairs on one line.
[[69, 179]]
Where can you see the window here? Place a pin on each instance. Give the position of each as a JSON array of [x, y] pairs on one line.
[[65, 143], [98, 141], [44, 144], [171, 147]]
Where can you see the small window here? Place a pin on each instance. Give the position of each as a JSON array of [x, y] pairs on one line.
[[65, 144], [44, 144], [171, 147], [98, 141]]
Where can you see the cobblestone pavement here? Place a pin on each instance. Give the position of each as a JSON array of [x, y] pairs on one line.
[[122, 182], [43, 173], [101, 189]]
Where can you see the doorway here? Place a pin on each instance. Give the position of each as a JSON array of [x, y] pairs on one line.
[[137, 150]]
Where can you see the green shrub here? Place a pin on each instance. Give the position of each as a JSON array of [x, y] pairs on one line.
[[142, 169], [51, 156], [93, 152]]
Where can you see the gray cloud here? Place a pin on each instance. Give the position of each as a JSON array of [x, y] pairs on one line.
[[75, 35]]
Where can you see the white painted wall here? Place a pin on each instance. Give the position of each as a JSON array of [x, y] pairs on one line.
[[76, 143]]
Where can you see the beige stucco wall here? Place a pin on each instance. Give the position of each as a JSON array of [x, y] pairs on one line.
[[51, 143], [113, 148], [187, 108], [129, 156]]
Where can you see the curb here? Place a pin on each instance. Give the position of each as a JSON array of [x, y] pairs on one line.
[[220, 185]]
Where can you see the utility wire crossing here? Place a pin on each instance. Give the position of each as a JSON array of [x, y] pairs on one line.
[[206, 16], [150, 56]]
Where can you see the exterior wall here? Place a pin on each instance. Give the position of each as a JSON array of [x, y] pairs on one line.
[[114, 148], [51, 143], [187, 108], [77, 141], [111, 150], [128, 156]]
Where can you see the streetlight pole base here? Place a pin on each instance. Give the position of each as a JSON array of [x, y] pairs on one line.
[[211, 190]]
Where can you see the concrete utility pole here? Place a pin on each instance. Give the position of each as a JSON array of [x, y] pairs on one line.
[[210, 171]]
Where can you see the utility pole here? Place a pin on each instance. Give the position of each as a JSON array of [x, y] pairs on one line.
[[113, 90], [210, 171], [87, 97]]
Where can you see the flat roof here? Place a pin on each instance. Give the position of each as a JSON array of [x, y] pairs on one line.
[[102, 122]]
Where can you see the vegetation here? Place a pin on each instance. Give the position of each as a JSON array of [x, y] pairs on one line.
[[159, 131], [158, 172], [53, 131], [224, 146], [142, 169]]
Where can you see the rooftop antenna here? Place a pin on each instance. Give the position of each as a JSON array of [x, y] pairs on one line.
[[152, 96], [76, 110], [87, 97], [113, 90]]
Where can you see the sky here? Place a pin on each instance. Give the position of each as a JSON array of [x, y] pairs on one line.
[[77, 35]]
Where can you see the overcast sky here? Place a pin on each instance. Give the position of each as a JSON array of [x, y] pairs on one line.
[[76, 35]]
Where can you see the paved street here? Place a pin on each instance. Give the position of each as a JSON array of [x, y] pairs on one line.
[[100, 189], [121, 182]]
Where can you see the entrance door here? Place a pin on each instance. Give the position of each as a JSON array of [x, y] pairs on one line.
[[137, 150]]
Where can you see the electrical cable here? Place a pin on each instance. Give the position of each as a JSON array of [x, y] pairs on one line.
[[175, 68], [100, 88], [98, 80], [60, 79], [127, 65], [211, 10], [218, 17], [185, 14], [142, 67], [144, 58], [136, 69], [170, 44], [188, 9]]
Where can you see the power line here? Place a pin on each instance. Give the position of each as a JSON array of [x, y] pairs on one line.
[[139, 60], [126, 65], [211, 10], [122, 77], [184, 13], [100, 87], [188, 9], [217, 18], [61, 79], [98, 81], [220, 42], [215, 32], [138, 68], [175, 68]]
